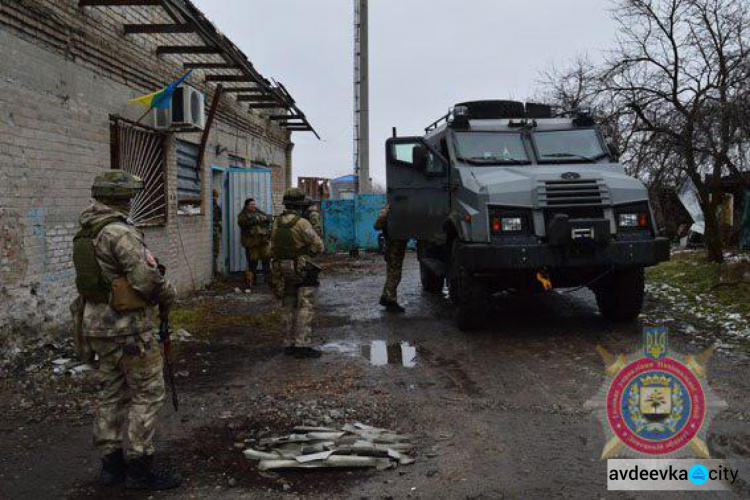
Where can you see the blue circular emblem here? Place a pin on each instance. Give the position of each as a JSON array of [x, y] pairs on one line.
[[655, 405], [698, 474]]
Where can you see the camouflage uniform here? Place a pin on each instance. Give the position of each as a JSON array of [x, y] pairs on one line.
[[255, 238], [313, 215], [395, 252], [297, 300], [129, 356]]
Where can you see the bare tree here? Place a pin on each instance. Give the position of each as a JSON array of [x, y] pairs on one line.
[[680, 72]]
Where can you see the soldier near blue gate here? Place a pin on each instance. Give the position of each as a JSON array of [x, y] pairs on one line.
[[395, 251], [255, 226], [294, 243], [119, 285], [313, 215]]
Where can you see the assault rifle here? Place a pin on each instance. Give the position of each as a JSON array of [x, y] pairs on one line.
[[167, 344]]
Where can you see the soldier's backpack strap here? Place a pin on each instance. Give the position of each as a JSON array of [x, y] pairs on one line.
[[90, 281]]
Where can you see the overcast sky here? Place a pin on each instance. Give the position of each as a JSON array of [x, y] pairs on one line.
[[425, 55]]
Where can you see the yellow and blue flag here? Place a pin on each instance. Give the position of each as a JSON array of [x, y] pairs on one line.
[[161, 98]]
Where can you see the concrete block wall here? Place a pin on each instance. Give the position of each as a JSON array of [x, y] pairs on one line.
[[56, 99]]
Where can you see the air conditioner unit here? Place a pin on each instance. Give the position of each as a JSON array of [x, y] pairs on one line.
[[187, 111]]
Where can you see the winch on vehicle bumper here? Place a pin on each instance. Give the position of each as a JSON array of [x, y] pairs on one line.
[[486, 256]]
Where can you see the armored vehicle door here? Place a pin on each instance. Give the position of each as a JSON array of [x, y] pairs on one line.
[[417, 177]]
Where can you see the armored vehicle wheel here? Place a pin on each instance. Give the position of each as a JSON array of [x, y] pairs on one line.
[[467, 293], [620, 295], [431, 282]]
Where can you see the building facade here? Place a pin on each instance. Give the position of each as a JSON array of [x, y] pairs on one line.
[[67, 70]]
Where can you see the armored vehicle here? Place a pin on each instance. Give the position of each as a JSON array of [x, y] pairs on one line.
[[503, 197]]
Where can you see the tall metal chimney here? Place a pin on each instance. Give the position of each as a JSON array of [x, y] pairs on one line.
[[361, 97]]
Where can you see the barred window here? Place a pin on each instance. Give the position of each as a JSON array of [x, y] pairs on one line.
[[140, 150]]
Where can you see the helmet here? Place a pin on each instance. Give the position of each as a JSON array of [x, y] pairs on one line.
[[294, 197], [116, 184]]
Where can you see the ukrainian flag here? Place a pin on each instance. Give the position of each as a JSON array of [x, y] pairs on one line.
[[160, 99]]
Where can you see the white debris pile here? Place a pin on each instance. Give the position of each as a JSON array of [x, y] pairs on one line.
[[70, 366], [354, 446], [182, 335]]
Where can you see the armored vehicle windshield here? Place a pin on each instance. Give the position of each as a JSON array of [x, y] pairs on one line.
[[555, 146], [491, 148]]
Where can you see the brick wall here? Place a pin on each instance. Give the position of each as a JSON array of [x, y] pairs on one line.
[[57, 93]]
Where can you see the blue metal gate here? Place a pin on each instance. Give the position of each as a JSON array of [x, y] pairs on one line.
[[347, 224]]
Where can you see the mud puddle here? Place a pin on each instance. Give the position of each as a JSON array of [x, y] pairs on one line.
[[377, 352]]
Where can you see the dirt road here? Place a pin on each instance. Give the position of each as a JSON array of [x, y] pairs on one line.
[[496, 413]]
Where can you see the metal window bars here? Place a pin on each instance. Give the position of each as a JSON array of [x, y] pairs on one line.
[[140, 151]]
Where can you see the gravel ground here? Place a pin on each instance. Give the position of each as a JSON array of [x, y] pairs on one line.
[[494, 413]]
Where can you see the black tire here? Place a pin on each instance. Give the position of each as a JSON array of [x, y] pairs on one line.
[[468, 295], [431, 282], [620, 295]]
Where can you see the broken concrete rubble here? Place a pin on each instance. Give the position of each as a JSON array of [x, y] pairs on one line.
[[354, 446], [70, 366]]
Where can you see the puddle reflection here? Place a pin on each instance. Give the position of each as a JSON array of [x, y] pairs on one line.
[[378, 352]]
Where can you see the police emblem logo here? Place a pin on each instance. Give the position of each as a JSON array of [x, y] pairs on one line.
[[655, 402]]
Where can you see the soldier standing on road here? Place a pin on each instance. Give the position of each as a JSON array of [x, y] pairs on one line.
[[256, 232], [217, 228], [295, 276], [395, 251], [119, 284]]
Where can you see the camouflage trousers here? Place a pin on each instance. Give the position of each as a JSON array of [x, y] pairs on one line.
[[217, 243], [394, 257], [297, 304], [132, 387], [258, 254]]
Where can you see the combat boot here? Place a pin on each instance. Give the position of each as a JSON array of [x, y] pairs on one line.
[[306, 352], [113, 470], [394, 307], [249, 278], [142, 475]]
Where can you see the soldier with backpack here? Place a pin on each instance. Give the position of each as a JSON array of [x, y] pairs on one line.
[[119, 285], [255, 227], [294, 242]]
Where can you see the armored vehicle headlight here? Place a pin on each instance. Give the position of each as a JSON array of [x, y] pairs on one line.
[[512, 224], [509, 221], [633, 217], [628, 220]]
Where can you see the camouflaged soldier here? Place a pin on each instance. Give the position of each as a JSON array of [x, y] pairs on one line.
[[395, 251], [295, 276], [119, 284], [313, 215], [255, 226]]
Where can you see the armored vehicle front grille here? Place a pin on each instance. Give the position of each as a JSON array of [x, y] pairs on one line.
[[566, 193], [575, 213]]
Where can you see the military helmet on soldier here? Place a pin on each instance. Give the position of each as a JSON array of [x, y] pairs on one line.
[[294, 197], [116, 184]]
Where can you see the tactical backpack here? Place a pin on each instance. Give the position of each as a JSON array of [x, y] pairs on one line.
[[284, 246], [90, 281]]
